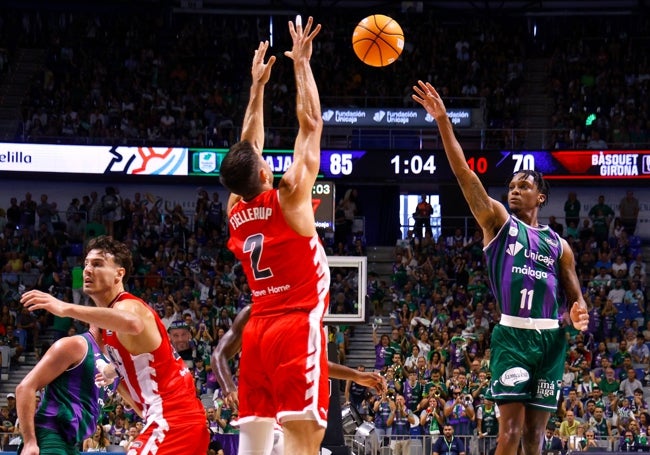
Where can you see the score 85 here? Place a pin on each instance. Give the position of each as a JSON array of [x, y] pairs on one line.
[[341, 164]]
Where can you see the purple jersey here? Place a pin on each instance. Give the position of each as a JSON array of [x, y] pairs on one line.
[[523, 267]]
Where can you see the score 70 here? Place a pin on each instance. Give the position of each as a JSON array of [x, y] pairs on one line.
[[522, 161]]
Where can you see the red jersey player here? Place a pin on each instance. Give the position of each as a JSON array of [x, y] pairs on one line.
[[153, 376], [283, 369]]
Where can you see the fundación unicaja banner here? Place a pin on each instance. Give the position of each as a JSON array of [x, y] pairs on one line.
[[391, 117]]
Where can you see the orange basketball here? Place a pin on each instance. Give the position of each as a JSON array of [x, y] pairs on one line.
[[378, 40]]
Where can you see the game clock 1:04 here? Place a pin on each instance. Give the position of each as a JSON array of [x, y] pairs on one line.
[[378, 165], [413, 164]]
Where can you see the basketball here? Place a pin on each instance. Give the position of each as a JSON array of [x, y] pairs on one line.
[[378, 40]]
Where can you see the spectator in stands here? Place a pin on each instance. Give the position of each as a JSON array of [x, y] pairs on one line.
[[13, 214], [422, 217], [7, 423], [384, 413], [46, 213], [459, 411], [432, 417], [569, 425], [573, 405], [619, 267], [629, 212], [601, 216], [585, 389], [118, 431], [616, 230], [551, 443], [448, 444], [620, 355], [624, 413], [639, 405], [572, 208], [27, 323], [15, 347], [630, 383], [111, 209], [487, 425], [181, 338], [590, 442], [617, 293], [98, 442], [640, 352], [555, 225], [596, 142], [608, 315], [629, 443], [601, 425], [403, 419], [568, 376], [638, 267], [28, 213]]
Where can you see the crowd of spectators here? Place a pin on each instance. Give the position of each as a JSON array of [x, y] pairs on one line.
[[153, 76], [159, 77], [598, 78]]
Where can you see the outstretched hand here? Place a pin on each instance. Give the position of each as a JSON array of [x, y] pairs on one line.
[[106, 376], [232, 399], [428, 97], [38, 300], [372, 379], [261, 71], [579, 316], [302, 39]]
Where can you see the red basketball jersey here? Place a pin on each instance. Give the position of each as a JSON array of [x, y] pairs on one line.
[[286, 271], [158, 381]]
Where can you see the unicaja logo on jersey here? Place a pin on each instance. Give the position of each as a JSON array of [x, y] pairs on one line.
[[514, 248], [539, 257]]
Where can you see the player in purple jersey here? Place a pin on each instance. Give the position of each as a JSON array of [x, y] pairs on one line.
[[525, 342]]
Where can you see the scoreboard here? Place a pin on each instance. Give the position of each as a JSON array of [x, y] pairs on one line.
[[404, 166], [491, 166], [344, 166]]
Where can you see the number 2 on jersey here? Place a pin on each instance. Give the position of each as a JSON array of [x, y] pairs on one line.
[[254, 245]]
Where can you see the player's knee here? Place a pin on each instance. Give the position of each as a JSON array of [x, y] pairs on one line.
[[302, 436], [509, 433]]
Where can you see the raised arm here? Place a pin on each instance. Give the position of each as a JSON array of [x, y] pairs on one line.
[[489, 213], [297, 182], [253, 125]]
